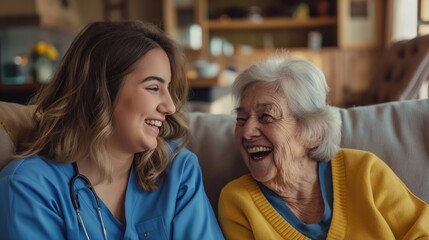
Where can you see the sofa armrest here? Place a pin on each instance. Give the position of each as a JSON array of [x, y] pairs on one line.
[[16, 122]]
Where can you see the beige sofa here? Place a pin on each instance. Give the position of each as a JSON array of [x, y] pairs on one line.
[[397, 132]]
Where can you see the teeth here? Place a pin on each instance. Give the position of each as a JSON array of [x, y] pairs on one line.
[[258, 149], [155, 123]]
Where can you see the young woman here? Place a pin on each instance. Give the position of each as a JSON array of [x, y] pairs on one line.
[[102, 162]]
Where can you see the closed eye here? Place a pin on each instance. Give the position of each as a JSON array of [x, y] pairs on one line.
[[265, 118], [153, 82], [153, 88], [241, 121]]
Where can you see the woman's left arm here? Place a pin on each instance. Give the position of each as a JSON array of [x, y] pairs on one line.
[[406, 214], [194, 217]]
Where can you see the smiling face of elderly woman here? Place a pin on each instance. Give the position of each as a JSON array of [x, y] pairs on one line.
[[267, 134]]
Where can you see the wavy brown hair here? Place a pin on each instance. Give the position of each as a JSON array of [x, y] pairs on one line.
[[73, 119]]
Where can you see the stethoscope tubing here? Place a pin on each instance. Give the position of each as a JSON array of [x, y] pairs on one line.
[[76, 205]]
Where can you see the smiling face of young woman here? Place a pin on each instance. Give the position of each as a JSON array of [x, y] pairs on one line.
[[267, 135], [142, 103]]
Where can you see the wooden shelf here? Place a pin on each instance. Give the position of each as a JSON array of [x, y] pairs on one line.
[[27, 87], [221, 80], [272, 23], [203, 82], [18, 93], [20, 20]]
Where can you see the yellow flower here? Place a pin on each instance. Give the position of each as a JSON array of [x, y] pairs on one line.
[[52, 53], [43, 48]]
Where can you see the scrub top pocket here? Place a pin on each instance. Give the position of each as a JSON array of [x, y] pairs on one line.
[[152, 229]]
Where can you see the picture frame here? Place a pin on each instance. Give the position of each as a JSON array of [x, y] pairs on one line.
[[359, 23]]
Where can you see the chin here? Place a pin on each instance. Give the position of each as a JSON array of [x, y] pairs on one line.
[[260, 178], [262, 175], [152, 146], [149, 146]]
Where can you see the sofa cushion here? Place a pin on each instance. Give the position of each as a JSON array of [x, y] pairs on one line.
[[213, 142], [398, 133]]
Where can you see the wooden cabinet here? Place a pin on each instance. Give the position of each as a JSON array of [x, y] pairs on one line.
[[423, 17], [357, 70], [179, 16], [270, 24], [18, 13], [18, 8], [349, 31], [265, 25]]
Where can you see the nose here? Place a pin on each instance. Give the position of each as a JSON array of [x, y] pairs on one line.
[[251, 129], [167, 105]]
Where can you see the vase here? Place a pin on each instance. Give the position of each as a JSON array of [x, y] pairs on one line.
[[42, 69]]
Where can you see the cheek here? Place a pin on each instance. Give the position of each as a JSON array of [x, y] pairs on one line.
[[120, 121], [126, 115], [283, 139], [279, 136], [238, 141], [286, 133], [121, 114], [131, 107], [237, 135]]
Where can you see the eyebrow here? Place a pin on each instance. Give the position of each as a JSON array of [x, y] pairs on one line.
[[238, 109], [259, 106], [153, 78]]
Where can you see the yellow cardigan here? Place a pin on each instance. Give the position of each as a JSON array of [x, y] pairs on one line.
[[370, 202]]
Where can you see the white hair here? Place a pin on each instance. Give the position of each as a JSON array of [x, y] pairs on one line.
[[305, 89]]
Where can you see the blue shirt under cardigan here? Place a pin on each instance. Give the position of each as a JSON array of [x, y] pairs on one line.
[[316, 230], [35, 203]]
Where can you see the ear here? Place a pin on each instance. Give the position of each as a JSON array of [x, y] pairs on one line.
[[312, 137], [314, 141]]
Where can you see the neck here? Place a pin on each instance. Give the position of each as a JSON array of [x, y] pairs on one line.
[[295, 178], [113, 192], [298, 186], [120, 164], [306, 203]]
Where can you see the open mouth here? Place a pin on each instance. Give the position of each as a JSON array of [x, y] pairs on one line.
[[154, 123], [258, 152]]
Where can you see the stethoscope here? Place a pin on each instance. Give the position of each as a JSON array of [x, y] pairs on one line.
[[75, 200]]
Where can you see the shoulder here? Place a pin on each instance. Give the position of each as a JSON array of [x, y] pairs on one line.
[[359, 161], [356, 156], [240, 186], [36, 169], [24, 165], [184, 166], [242, 193], [355, 153], [184, 157]]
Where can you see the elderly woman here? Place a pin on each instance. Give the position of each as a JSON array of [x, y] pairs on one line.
[[301, 184]]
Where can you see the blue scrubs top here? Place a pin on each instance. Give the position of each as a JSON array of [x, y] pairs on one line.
[[35, 203], [312, 230]]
